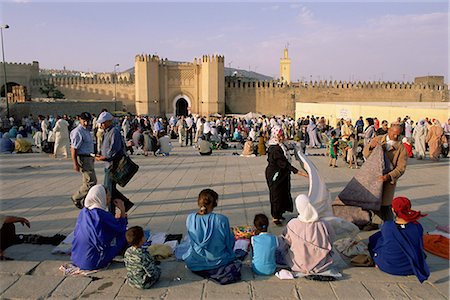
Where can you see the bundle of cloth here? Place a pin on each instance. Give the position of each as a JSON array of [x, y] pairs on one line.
[[364, 192], [437, 241]]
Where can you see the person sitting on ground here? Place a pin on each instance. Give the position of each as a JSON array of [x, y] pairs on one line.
[[138, 139], [22, 145], [163, 144], [204, 146], [13, 132], [210, 253], [397, 248], [142, 271], [237, 137], [248, 148], [309, 240], [6, 144], [264, 246], [261, 145], [98, 236], [8, 233]]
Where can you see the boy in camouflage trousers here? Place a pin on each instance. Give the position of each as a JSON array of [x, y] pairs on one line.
[[142, 271]]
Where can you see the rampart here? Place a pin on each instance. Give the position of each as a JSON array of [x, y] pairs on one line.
[[59, 107], [79, 88], [270, 97]]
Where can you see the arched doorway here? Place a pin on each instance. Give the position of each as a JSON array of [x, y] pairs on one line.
[[181, 107], [10, 86]]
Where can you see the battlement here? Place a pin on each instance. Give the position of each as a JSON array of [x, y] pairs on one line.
[[213, 58], [338, 85], [146, 58], [33, 64], [77, 80]]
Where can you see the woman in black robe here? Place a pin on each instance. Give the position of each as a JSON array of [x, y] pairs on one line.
[[278, 176]]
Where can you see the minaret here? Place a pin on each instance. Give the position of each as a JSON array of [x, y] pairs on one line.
[[285, 67]]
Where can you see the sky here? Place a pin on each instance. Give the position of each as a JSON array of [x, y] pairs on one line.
[[366, 41]]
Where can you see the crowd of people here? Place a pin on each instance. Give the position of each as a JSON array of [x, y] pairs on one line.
[[306, 243]]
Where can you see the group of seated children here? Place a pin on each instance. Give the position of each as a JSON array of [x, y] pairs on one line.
[[305, 245]]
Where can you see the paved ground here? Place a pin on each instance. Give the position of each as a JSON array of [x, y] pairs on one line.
[[37, 187]]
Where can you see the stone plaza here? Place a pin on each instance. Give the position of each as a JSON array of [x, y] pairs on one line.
[[165, 192]]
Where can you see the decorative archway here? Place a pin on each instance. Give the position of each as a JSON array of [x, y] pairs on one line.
[[10, 85], [181, 105]]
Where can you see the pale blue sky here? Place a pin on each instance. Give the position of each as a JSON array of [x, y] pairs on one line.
[[338, 40]]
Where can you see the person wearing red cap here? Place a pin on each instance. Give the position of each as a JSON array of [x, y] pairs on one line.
[[397, 248]]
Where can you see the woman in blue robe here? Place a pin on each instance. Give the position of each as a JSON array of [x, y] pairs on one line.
[[98, 235], [211, 252], [397, 248]]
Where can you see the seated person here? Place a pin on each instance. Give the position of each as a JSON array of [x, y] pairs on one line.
[[264, 246], [22, 145], [98, 236], [309, 240], [261, 145], [13, 132], [164, 145], [142, 271], [397, 248], [248, 148], [237, 135], [138, 138], [210, 253], [8, 233], [6, 144], [22, 131], [204, 146]]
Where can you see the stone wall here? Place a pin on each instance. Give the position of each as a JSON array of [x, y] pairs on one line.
[[278, 99], [59, 107], [90, 89]]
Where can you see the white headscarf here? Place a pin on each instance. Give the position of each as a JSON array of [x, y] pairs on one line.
[[96, 198], [306, 212], [274, 132]]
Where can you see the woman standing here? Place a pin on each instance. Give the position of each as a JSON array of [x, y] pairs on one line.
[[434, 139], [420, 135], [278, 176], [369, 132], [312, 132]]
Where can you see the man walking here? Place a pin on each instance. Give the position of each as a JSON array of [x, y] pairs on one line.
[[112, 150], [395, 159], [82, 149]]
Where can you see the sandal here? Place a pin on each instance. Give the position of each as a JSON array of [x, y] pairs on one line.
[[320, 278]]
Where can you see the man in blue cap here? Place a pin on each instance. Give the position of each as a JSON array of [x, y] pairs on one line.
[[111, 151]]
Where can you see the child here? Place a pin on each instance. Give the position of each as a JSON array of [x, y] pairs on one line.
[[351, 146], [142, 271], [264, 246], [333, 149], [408, 146], [397, 248]]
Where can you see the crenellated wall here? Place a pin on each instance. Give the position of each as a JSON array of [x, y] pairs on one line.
[[270, 97], [158, 84], [79, 88]]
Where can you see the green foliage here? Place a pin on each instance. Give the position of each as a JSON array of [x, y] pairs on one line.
[[51, 91]]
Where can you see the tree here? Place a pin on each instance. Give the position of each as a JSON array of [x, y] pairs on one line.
[[51, 91]]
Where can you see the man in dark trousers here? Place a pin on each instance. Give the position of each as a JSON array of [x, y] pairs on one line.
[[111, 151]]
